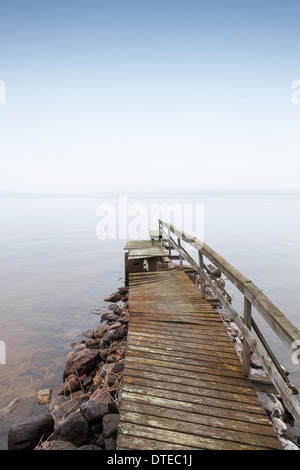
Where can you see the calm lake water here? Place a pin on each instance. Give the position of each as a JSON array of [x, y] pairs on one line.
[[55, 271]]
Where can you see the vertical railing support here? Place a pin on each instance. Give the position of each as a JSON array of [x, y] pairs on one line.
[[180, 257], [246, 347], [200, 256], [169, 236]]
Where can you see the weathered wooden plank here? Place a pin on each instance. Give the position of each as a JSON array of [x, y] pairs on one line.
[[224, 368], [176, 318], [177, 404], [234, 426], [151, 322], [193, 336], [201, 355], [214, 347], [200, 430], [186, 439], [193, 390], [189, 331], [127, 442], [180, 368], [199, 380], [197, 399]]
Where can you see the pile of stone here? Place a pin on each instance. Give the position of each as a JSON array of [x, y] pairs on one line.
[[85, 413]]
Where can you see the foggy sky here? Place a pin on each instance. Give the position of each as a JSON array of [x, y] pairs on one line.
[[149, 95]]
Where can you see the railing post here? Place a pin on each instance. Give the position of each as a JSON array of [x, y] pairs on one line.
[[200, 255], [169, 235], [180, 257], [246, 347]]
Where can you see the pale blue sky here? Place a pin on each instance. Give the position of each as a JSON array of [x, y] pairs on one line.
[[149, 95]]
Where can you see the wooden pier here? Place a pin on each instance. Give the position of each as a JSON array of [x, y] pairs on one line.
[[184, 386]]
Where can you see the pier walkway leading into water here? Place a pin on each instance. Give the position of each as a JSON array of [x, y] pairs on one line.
[[184, 386]]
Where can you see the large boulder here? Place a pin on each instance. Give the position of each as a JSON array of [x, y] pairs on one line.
[[27, 434], [93, 410], [110, 426], [82, 362], [56, 445], [114, 297], [74, 429], [115, 335]]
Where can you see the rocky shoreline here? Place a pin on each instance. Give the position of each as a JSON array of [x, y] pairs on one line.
[[85, 413]]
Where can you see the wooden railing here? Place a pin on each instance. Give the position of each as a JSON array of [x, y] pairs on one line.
[[253, 297]]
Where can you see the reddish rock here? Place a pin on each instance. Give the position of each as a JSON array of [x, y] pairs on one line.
[[115, 297], [254, 361], [71, 384], [82, 362], [102, 395]]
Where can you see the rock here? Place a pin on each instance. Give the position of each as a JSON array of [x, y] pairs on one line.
[[56, 445], [225, 316], [123, 290], [96, 312], [74, 429], [102, 373], [93, 410], [116, 325], [239, 350], [110, 426], [288, 445], [89, 447], [109, 444], [101, 329], [112, 317], [293, 389], [112, 380], [104, 353], [61, 405], [118, 367], [115, 297], [44, 396], [104, 314], [291, 433], [279, 426], [71, 384], [27, 434], [120, 352], [272, 405], [235, 328], [254, 361], [80, 347], [102, 395], [115, 308], [82, 362], [88, 333], [87, 382], [215, 271], [115, 335]]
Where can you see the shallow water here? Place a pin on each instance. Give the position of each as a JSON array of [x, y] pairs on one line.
[[55, 272]]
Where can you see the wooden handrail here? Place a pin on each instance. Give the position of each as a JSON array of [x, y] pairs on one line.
[[284, 329]]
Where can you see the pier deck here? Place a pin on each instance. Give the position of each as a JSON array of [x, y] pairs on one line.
[[184, 387]]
